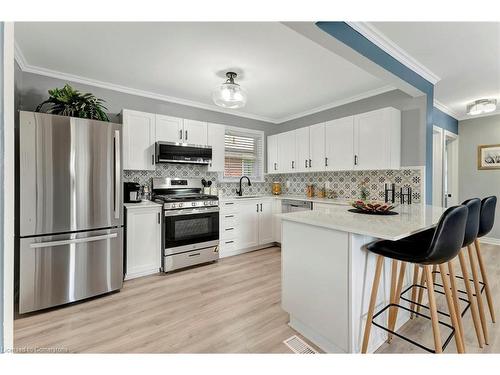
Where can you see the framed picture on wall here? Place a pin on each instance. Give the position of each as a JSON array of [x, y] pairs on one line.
[[488, 156]]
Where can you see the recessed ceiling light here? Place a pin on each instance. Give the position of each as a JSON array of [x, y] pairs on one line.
[[481, 106], [230, 94]]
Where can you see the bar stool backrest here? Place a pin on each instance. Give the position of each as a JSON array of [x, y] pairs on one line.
[[472, 227], [448, 236], [487, 216]]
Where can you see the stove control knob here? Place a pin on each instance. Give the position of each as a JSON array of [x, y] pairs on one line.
[[173, 205], [193, 204], [180, 205], [206, 203]]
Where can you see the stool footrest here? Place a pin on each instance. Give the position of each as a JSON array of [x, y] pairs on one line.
[[446, 342]]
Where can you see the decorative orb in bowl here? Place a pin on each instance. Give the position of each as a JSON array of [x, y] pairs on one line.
[[373, 207]]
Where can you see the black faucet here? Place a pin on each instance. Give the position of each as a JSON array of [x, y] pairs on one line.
[[240, 192]]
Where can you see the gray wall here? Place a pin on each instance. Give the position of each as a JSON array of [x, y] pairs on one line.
[[32, 90], [412, 121], [472, 181]]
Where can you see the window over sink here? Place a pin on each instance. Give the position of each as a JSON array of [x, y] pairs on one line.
[[243, 154]]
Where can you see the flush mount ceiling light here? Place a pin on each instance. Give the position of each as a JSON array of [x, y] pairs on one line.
[[481, 106], [230, 94]]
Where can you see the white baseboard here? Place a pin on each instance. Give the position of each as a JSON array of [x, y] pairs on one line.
[[490, 240]]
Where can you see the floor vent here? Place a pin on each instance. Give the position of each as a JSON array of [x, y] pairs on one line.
[[299, 346]]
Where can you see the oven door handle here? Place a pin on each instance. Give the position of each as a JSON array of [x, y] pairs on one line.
[[193, 211]]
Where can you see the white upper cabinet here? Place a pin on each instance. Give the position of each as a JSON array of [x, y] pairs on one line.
[[302, 156], [169, 129], [138, 140], [377, 139], [286, 152], [272, 154], [317, 159], [195, 132], [215, 138], [339, 144]]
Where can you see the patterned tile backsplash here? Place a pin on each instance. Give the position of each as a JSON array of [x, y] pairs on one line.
[[345, 184]]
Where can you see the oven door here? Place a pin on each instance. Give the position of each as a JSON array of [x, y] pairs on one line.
[[190, 229]]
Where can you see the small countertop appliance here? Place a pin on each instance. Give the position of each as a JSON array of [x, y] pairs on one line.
[[132, 192]]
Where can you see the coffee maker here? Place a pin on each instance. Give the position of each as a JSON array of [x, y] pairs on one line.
[[132, 192]]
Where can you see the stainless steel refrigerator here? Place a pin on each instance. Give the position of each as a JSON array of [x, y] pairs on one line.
[[70, 209]]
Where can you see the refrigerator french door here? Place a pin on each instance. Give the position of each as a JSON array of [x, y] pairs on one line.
[[70, 209]]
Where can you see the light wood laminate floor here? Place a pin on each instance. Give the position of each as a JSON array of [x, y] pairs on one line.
[[232, 306]]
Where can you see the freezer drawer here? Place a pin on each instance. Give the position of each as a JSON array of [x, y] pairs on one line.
[[64, 268]]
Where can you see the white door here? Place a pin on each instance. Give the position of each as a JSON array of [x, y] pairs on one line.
[[450, 172], [195, 132], [143, 241], [215, 138], [286, 152], [138, 140], [371, 141], [168, 129], [317, 147], [339, 144], [266, 234], [248, 224], [272, 154], [437, 167], [302, 156]]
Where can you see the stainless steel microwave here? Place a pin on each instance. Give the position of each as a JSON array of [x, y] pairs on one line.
[[173, 152]]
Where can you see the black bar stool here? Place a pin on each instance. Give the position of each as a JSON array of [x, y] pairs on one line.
[[486, 221], [442, 246], [471, 230]]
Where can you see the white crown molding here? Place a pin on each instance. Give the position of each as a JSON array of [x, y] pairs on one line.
[[378, 38], [338, 103], [26, 67], [443, 108]]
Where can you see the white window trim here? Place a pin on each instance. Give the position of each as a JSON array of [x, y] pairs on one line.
[[251, 131]]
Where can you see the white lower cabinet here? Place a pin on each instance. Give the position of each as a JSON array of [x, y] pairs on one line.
[[143, 240], [245, 225]]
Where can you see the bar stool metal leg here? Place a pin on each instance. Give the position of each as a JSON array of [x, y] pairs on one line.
[[416, 270], [472, 300], [373, 301], [433, 310], [477, 289], [484, 277], [452, 309]]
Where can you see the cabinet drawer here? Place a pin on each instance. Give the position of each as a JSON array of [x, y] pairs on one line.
[[228, 246], [228, 233], [228, 220], [173, 262], [228, 208]]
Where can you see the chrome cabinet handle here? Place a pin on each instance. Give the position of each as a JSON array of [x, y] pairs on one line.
[[310, 164], [326, 162], [229, 216], [73, 241], [180, 134], [257, 207], [274, 166], [293, 164], [355, 159], [159, 218], [186, 135], [261, 207], [117, 174], [306, 163], [193, 255], [152, 160], [229, 229]]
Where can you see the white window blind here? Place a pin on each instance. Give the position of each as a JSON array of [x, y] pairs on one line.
[[243, 155]]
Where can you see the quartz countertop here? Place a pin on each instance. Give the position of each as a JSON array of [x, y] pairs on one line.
[[411, 219], [143, 204], [284, 196]]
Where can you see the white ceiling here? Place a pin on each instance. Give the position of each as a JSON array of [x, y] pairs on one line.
[[286, 75], [465, 55]]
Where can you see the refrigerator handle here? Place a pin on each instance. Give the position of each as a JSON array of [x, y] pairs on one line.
[[117, 174], [73, 241]]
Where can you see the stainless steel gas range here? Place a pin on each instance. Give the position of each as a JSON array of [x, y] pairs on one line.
[[190, 230]]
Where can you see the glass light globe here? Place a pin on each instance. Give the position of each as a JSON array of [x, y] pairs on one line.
[[230, 94]]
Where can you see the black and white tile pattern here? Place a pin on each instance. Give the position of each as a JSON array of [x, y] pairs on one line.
[[344, 184]]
